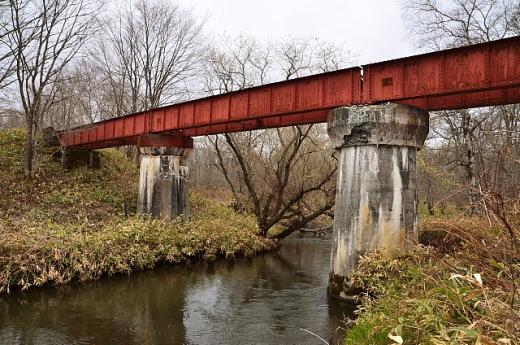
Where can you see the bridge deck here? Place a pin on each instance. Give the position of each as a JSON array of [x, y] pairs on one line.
[[485, 74]]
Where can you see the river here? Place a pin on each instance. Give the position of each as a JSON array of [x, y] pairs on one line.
[[277, 298]]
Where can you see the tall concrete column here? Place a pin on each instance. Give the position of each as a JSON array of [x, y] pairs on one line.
[[376, 196], [163, 182]]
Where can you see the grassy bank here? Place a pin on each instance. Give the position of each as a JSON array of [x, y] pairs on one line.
[[67, 226], [456, 290]]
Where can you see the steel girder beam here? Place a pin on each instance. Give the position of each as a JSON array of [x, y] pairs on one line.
[[485, 74]]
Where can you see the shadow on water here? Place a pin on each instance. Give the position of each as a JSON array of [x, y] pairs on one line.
[[268, 299]]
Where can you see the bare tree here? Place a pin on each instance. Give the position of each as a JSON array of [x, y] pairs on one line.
[[80, 99], [284, 176], [296, 58], [153, 50], [149, 55], [171, 44], [240, 63], [330, 57], [299, 57], [6, 61], [444, 24], [115, 82], [43, 37]]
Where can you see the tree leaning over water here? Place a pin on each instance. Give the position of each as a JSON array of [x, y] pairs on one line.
[[284, 176]]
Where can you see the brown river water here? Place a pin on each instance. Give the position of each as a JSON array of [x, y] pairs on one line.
[[277, 298]]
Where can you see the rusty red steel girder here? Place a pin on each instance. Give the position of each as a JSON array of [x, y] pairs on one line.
[[484, 74]]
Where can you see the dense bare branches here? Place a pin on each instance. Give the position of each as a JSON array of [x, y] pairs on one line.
[[153, 50], [6, 61], [240, 63], [478, 144], [284, 176], [295, 57], [243, 62], [43, 36], [442, 24], [303, 56], [81, 99]]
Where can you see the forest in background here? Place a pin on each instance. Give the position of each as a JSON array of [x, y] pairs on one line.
[[65, 63]]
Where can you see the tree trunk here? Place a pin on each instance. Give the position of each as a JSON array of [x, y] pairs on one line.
[[431, 210], [30, 149], [470, 161]]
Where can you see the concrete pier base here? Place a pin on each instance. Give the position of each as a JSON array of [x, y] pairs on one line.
[[376, 196], [163, 182], [74, 158]]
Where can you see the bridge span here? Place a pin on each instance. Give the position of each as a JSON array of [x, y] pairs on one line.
[[377, 118], [480, 75]]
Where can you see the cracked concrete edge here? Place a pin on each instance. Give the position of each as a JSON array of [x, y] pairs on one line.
[[383, 124]]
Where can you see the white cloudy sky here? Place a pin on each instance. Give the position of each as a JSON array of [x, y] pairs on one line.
[[372, 29]]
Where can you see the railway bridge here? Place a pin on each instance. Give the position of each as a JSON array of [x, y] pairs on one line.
[[377, 116]]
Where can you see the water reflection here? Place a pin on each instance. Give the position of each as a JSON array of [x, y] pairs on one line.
[[263, 300]]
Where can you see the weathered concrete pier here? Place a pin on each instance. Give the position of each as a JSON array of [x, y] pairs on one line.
[[376, 196], [163, 178]]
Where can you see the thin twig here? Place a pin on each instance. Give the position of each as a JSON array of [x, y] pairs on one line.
[[314, 334]]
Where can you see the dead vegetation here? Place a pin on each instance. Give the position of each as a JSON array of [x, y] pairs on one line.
[[64, 226], [459, 287]]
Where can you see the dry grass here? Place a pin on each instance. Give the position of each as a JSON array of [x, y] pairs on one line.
[[457, 290], [65, 226], [33, 254]]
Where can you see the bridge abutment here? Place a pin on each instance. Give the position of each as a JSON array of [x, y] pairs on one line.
[[163, 182], [376, 195]]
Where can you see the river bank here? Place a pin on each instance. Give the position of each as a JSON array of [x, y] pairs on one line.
[[68, 225], [459, 287], [274, 298]]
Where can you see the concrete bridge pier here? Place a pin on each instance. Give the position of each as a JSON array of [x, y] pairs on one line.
[[163, 181], [376, 196]]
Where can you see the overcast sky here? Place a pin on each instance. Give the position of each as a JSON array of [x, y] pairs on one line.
[[372, 29]]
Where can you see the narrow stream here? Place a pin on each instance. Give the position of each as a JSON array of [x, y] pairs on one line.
[[270, 299]]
